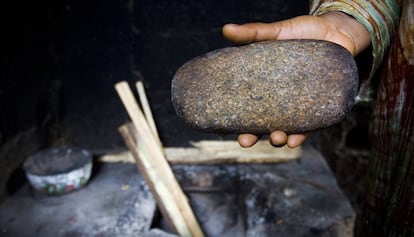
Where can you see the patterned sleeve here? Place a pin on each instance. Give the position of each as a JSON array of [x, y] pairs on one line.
[[380, 17]]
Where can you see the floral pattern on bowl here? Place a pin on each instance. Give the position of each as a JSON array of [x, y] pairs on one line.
[[57, 171]]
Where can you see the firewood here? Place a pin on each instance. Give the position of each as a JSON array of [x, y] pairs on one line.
[[148, 147], [147, 110], [219, 152], [160, 191]]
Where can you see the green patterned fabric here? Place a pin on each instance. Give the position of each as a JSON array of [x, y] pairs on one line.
[[380, 17]]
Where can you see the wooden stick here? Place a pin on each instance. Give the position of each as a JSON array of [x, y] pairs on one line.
[[164, 198], [196, 156], [219, 152], [150, 146], [147, 110], [230, 155]]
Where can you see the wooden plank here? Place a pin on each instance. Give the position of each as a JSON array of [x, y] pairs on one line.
[[219, 152]]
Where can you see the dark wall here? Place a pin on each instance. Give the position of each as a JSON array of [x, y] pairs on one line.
[[62, 58], [62, 61], [168, 33]]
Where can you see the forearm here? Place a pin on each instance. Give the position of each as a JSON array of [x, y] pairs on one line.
[[378, 17]]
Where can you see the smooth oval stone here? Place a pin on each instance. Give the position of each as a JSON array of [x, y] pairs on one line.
[[292, 85]]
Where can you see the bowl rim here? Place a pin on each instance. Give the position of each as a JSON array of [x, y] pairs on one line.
[[85, 159]]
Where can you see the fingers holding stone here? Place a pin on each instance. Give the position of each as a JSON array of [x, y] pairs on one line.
[[247, 140], [278, 138], [295, 140]]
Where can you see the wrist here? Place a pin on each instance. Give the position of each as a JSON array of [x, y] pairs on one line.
[[350, 28]]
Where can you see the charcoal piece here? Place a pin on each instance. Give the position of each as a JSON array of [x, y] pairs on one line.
[[291, 85]]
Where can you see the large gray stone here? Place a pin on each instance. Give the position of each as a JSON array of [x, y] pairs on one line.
[[292, 85]]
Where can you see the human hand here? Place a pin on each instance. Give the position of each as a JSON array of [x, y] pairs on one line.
[[336, 27]]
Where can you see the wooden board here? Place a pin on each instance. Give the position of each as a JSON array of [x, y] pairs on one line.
[[218, 152]]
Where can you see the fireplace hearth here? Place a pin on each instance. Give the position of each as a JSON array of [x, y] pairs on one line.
[[61, 63], [295, 198]]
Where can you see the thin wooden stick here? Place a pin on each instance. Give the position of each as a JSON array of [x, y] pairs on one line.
[[153, 150], [164, 198], [147, 110]]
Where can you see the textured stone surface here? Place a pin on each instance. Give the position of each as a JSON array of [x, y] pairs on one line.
[[292, 85]]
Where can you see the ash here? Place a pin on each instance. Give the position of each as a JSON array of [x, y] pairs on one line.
[[294, 199]]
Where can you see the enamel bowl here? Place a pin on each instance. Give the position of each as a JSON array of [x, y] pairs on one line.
[[56, 171]]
